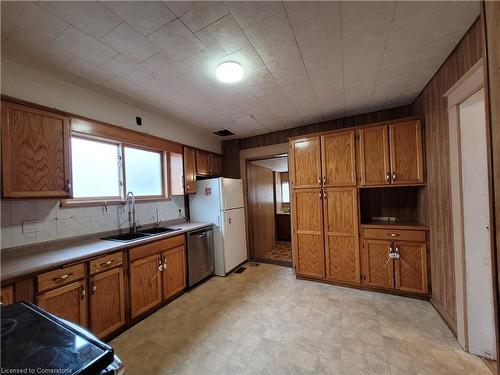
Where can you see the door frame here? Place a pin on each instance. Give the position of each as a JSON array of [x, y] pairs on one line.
[[464, 88]]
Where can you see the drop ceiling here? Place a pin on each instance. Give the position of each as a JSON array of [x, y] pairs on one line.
[[304, 62]]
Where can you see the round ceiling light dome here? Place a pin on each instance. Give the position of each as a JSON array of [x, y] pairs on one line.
[[229, 72]]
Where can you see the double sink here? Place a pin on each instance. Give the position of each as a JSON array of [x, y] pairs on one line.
[[127, 237]]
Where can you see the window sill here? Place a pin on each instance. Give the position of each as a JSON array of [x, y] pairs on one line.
[[79, 202]]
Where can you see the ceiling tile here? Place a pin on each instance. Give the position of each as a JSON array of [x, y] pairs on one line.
[[248, 13], [197, 14], [144, 16], [80, 44], [126, 67], [177, 40], [223, 36], [88, 16], [166, 66], [88, 70], [129, 42]]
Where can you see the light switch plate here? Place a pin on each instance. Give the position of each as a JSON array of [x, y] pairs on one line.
[[31, 226]]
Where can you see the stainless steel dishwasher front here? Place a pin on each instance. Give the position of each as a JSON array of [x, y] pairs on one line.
[[200, 255]]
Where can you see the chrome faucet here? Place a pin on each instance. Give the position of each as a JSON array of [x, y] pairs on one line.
[[131, 212], [157, 224]]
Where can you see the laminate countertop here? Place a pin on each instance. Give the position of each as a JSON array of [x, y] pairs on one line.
[[20, 261]]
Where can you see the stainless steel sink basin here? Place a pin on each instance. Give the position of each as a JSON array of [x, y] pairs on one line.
[[126, 237], [158, 230]]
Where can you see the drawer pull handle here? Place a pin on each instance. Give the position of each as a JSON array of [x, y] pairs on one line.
[[62, 277], [104, 264], [393, 234]]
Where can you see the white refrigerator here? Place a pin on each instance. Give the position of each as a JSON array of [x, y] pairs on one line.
[[220, 201]]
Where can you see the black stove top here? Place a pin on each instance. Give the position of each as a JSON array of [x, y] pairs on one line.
[[32, 339]]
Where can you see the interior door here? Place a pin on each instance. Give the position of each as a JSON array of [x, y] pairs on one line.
[[341, 234], [309, 248], [411, 267], [407, 160], [379, 268], [338, 159], [145, 284], [374, 155], [174, 273], [305, 163]]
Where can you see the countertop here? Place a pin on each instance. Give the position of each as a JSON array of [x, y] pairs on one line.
[[17, 262]]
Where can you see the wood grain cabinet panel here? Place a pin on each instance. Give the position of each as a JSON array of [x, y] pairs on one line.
[[7, 295], [107, 302], [407, 161], [215, 165], [339, 159], [68, 302], [309, 247], [306, 163], [35, 153], [411, 267], [174, 272], [202, 163], [145, 284], [340, 210], [189, 171], [374, 156], [379, 268]]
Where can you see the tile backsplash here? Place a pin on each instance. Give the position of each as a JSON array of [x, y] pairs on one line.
[[55, 222]]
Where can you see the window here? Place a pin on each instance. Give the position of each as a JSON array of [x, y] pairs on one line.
[[285, 192], [143, 172], [95, 168]]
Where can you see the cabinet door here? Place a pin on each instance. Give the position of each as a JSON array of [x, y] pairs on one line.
[[145, 284], [107, 302], [215, 165], [407, 161], [338, 159], [68, 302], [174, 272], [379, 268], [308, 233], [189, 171], [374, 156], [341, 234], [7, 295], [306, 163], [35, 153], [411, 267], [202, 163]]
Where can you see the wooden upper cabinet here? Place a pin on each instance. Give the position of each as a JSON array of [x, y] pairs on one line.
[[189, 171], [379, 268], [145, 284], [35, 153], [374, 156], [174, 273], [407, 161], [215, 165], [340, 209], [202, 163], [7, 295], [308, 226], [411, 267], [306, 163], [107, 302], [68, 302], [339, 159]]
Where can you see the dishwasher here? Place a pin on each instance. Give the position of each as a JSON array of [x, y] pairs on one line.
[[200, 255]]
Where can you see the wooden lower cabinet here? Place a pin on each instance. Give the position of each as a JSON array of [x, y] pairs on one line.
[[379, 268], [107, 302], [174, 272], [7, 295], [411, 267], [68, 302], [145, 284]]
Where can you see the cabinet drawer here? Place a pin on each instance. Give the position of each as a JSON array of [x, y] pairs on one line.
[[105, 262], [395, 234], [62, 276], [155, 247]]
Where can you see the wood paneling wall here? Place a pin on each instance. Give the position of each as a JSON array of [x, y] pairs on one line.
[[433, 107], [231, 158]]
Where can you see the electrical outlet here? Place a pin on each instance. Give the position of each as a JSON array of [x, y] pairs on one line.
[[31, 226]]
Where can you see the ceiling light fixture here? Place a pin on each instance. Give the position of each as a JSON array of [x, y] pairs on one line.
[[229, 72]]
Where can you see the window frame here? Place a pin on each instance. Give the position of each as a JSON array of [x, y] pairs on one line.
[[283, 200], [117, 200]]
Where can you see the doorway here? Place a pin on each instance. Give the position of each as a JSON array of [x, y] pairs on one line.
[[269, 210]]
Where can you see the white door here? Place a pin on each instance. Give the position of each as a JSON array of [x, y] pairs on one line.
[[235, 243], [231, 193], [476, 217]]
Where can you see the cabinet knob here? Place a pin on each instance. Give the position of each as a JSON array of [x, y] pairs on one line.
[[319, 181], [82, 292], [393, 176], [393, 234], [68, 186], [94, 288], [388, 177]]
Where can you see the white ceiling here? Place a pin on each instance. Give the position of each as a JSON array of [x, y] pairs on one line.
[[304, 62], [275, 164]]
